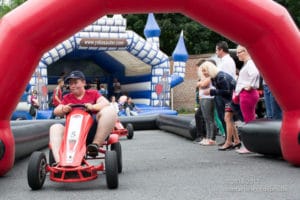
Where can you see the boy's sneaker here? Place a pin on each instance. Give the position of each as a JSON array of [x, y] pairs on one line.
[[92, 150]]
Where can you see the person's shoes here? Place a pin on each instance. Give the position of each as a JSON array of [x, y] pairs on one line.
[[198, 139], [238, 145], [210, 143], [239, 123], [92, 150], [203, 141], [224, 148], [243, 150]]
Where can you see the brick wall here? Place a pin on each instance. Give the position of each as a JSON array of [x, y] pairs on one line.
[[184, 93]]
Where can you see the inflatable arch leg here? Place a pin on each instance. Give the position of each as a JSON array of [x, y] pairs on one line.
[[272, 46], [7, 150]]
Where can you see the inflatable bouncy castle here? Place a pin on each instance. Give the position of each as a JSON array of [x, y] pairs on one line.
[[143, 70]]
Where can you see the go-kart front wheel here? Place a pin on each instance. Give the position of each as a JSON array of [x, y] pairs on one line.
[[118, 149], [36, 171], [130, 130], [111, 169]]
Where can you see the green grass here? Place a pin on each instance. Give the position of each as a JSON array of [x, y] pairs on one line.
[[185, 111]]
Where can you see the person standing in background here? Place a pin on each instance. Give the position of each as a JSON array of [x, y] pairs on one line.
[[58, 93], [34, 104], [224, 85], [117, 88], [114, 104], [199, 120], [103, 91], [97, 83], [207, 105], [226, 64], [246, 87], [273, 110]]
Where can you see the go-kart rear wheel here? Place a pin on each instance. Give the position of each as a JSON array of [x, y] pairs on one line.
[[111, 169], [130, 130], [118, 149], [36, 171], [51, 158]]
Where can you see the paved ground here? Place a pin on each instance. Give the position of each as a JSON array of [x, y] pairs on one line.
[[162, 166]]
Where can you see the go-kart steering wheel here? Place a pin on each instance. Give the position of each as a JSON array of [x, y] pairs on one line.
[[80, 106], [77, 106]]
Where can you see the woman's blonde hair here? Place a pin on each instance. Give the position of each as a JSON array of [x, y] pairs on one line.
[[210, 67], [200, 74]]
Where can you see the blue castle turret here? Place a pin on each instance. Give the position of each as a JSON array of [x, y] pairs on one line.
[[180, 56], [180, 53], [152, 30]]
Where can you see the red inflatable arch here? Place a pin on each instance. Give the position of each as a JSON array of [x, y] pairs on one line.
[[264, 27]]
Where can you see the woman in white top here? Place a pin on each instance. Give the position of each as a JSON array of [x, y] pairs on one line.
[[246, 86]]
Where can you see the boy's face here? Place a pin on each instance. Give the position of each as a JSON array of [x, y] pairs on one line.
[[76, 86]]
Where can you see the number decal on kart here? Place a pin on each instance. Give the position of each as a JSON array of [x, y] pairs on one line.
[[73, 136]]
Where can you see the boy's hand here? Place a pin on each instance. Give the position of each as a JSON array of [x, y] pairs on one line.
[[66, 109], [89, 106]]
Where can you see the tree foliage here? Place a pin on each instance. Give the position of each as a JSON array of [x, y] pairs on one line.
[[293, 6], [198, 39], [7, 8]]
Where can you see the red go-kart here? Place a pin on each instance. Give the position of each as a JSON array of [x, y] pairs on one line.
[[120, 130], [74, 165]]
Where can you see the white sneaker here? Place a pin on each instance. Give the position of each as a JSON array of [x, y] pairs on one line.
[[203, 141]]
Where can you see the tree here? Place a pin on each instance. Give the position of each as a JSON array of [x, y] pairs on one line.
[[293, 6], [5, 8], [198, 38]]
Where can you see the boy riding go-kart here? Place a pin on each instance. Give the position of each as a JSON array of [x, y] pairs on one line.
[[74, 165], [69, 155]]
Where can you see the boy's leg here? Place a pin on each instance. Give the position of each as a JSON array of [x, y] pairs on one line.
[[56, 135], [106, 121]]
